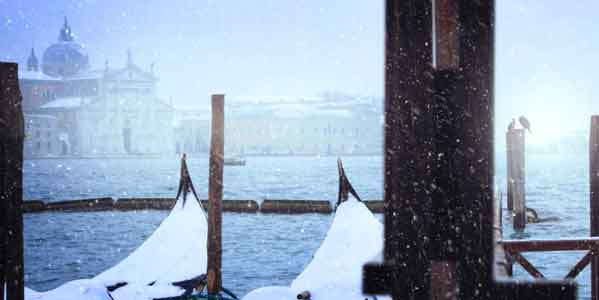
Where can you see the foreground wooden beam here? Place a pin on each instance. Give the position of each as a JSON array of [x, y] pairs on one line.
[[572, 244], [11, 184], [594, 200], [215, 195]]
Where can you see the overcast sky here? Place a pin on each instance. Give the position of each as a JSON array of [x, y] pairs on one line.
[[546, 65]]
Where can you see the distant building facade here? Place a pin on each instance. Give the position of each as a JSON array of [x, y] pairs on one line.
[[74, 110], [292, 127], [71, 109]]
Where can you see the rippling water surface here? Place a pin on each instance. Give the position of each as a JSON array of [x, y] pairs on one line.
[[258, 249]]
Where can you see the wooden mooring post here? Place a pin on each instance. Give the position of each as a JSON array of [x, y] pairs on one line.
[[11, 184], [411, 148], [215, 195], [516, 176], [594, 200]]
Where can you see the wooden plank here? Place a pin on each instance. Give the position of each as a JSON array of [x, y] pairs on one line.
[[527, 265], [446, 35], [594, 200], [282, 206], [475, 152], [582, 263], [215, 196], [572, 244], [408, 142], [11, 183], [448, 95]]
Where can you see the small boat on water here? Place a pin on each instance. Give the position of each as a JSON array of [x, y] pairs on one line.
[[335, 272], [234, 161], [169, 265]]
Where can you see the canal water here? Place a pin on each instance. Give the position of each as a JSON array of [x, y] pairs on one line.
[[259, 249]]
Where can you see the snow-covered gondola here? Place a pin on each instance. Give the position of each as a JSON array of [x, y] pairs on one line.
[[168, 265], [335, 272]]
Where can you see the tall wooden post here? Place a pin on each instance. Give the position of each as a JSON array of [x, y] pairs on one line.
[[409, 138], [517, 177], [11, 184], [448, 97], [509, 170], [215, 195], [594, 200]]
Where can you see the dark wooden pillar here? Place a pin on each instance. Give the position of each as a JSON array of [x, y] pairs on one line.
[[11, 183], [456, 126], [594, 200], [408, 147], [215, 195]]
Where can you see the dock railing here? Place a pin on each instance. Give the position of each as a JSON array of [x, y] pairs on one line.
[[508, 252]]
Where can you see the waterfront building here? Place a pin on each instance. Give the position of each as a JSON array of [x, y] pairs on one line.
[[106, 111], [304, 126], [72, 109]]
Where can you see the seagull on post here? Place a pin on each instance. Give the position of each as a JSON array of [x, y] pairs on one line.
[[525, 123], [511, 126]]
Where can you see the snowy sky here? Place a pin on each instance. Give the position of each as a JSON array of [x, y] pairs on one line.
[[546, 52]]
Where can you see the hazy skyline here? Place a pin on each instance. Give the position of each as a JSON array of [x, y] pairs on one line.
[[546, 67]]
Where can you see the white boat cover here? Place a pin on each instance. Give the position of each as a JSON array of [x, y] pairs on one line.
[[335, 272], [176, 251]]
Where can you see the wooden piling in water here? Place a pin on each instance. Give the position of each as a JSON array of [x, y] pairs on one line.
[[11, 184], [509, 172], [594, 200], [517, 177], [215, 195]]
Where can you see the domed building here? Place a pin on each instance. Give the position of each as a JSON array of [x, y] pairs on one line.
[[74, 110], [66, 57]]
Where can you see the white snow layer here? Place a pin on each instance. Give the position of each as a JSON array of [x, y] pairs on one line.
[[176, 251], [335, 272], [72, 290]]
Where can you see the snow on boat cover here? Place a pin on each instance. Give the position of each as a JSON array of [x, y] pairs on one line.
[[176, 251], [335, 272]]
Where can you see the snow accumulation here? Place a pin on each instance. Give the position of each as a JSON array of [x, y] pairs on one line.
[[176, 251], [335, 272]]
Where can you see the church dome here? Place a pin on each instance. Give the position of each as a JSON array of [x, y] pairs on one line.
[[66, 57]]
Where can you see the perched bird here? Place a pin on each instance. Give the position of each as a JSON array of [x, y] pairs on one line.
[[512, 125], [525, 123]]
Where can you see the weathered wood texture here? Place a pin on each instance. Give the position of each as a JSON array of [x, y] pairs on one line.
[[578, 244], [408, 141], [96, 204], [215, 195], [594, 200], [11, 184], [502, 265], [516, 176], [446, 35], [509, 171], [410, 152], [295, 206]]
